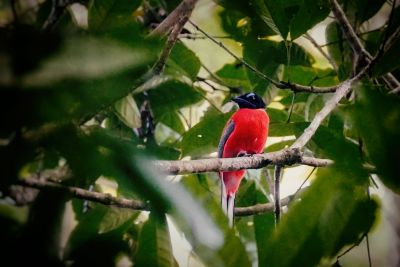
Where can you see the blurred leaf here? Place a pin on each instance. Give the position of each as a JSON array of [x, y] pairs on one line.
[[115, 218], [183, 61], [128, 112], [376, 117], [233, 252], [155, 247], [204, 137], [25, 47], [82, 58], [77, 82], [264, 225], [334, 212], [113, 18], [172, 95], [87, 238]]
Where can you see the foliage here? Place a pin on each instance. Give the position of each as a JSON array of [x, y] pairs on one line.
[[83, 96]]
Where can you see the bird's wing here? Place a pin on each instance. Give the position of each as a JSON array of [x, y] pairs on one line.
[[230, 126]]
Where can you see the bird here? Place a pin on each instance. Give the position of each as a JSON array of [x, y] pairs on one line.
[[245, 133]]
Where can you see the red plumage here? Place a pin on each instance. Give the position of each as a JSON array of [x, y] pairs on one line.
[[248, 137], [245, 133]]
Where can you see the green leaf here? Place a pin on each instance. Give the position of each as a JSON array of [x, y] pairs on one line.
[[234, 75], [113, 18], [267, 56], [376, 116], [128, 112], [88, 237], [87, 75], [155, 247], [264, 225], [310, 13], [204, 137], [362, 10], [296, 16], [246, 19], [286, 129], [310, 76], [339, 49], [173, 121], [183, 61], [171, 96], [386, 63], [334, 212], [233, 252], [82, 58]]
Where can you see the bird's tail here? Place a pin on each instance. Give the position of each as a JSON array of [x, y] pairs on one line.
[[228, 204]]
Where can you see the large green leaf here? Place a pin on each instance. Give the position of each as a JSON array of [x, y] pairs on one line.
[[233, 252], [359, 11], [155, 247], [128, 112], [183, 61], [234, 75], [171, 96], [267, 56], [339, 50], [204, 137], [113, 18], [376, 117], [246, 19], [88, 236], [296, 16], [334, 212]]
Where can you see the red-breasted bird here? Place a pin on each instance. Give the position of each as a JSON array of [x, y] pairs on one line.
[[245, 133]]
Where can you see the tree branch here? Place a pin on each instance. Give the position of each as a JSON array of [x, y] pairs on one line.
[[80, 193], [282, 157], [181, 13], [107, 199], [172, 25]]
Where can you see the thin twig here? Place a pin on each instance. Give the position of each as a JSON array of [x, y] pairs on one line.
[[305, 180], [277, 198], [319, 48], [281, 84]]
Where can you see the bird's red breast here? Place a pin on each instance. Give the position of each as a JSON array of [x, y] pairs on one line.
[[249, 135]]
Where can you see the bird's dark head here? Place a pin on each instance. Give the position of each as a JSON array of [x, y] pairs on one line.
[[249, 100]]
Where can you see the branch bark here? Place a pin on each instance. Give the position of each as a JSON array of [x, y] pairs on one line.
[[172, 26], [107, 199], [282, 157]]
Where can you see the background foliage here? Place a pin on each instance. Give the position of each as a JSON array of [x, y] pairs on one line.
[[80, 94]]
